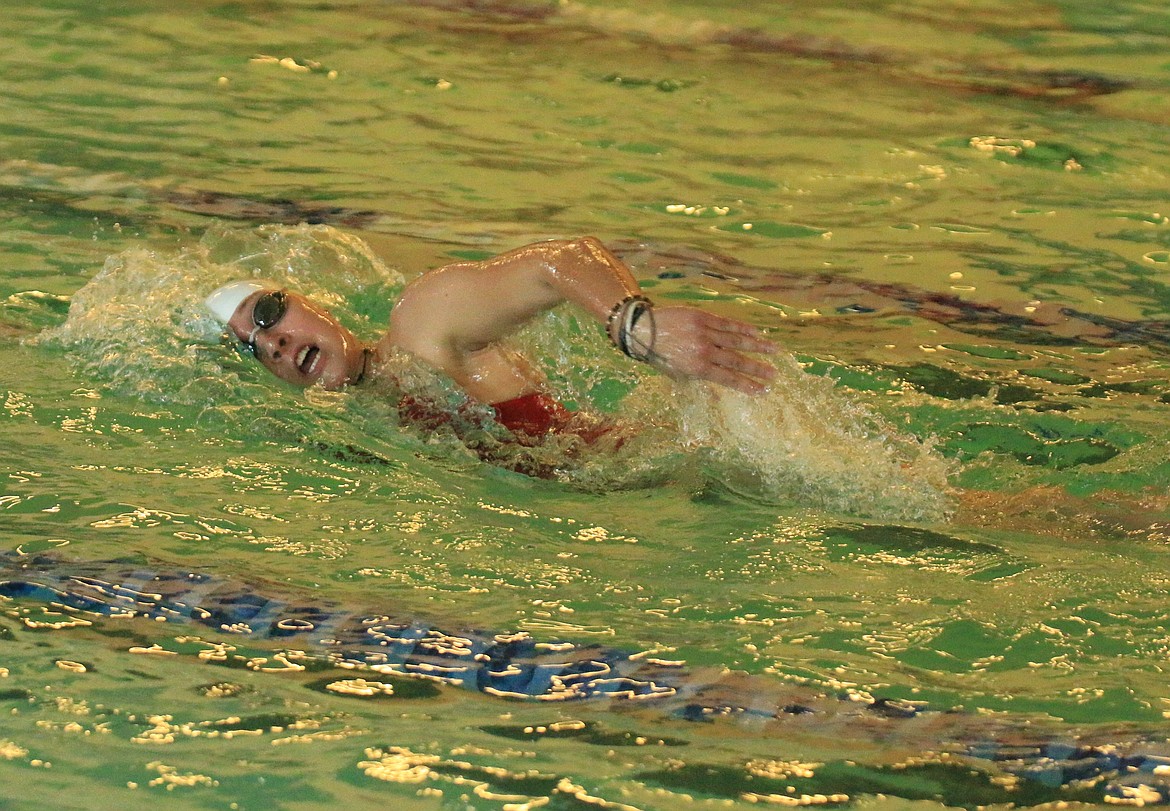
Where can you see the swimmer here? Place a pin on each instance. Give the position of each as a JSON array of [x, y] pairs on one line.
[[454, 318]]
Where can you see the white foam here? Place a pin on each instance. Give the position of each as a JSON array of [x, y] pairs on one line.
[[809, 442]]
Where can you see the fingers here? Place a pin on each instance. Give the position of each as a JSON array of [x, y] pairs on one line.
[[747, 366], [739, 371], [732, 334], [727, 367], [692, 343], [743, 342], [730, 339], [732, 379]]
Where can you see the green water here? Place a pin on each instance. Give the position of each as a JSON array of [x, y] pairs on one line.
[[956, 213]]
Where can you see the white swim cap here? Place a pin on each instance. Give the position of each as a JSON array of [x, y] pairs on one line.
[[224, 300]]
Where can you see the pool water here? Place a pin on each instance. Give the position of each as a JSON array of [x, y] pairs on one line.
[[928, 569]]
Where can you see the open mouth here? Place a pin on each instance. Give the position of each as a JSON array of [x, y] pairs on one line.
[[307, 359]]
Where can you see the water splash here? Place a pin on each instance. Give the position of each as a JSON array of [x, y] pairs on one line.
[[807, 441], [139, 327]]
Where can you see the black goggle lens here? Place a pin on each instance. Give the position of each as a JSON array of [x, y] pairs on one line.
[[266, 313], [269, 309]]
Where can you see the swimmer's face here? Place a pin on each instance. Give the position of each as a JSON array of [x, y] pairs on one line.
[[296, 340]]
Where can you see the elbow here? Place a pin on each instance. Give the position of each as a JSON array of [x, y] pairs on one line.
[[585, 251], [576, 247], [566, 265], [559, 258], [587, 245]]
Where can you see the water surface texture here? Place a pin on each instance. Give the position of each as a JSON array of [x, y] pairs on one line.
[[929, 569]]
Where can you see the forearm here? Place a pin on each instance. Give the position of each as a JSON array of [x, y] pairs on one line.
[[681, 341], [449, 315], [469, 305], [586, 273]]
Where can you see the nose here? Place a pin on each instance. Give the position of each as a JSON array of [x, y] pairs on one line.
[[270, 343]]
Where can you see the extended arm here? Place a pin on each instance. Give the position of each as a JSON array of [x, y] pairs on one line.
[[454, 317]]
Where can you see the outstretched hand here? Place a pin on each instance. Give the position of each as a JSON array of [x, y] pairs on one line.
[[687, 342]]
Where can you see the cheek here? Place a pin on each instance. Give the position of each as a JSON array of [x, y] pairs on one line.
[[332, 335], [270, 365], [280, 370]]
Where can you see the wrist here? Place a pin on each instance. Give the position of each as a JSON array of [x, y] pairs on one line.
[[630, 326], [613, 321]]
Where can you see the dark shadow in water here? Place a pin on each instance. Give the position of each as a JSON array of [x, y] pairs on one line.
[[962, 752]]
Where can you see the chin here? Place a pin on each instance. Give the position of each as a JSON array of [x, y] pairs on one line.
[[331, 381]]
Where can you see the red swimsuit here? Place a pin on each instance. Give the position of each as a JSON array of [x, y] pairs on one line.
[[533, 414], [530, 418]]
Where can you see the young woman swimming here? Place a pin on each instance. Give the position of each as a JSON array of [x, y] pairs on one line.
[[454, 318]]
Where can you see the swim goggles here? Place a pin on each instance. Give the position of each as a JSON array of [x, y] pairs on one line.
[[266, 314]]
